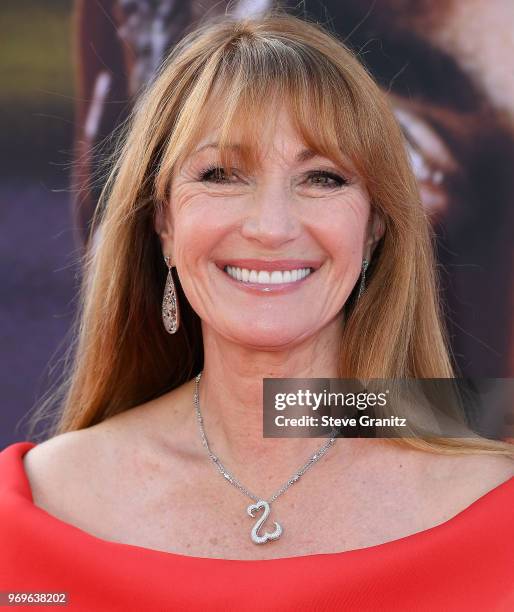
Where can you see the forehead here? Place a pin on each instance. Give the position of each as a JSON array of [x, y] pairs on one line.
[[276, 132], [298, 154], [287, 150]]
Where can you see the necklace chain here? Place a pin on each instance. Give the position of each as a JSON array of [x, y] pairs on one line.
[[232, 480]]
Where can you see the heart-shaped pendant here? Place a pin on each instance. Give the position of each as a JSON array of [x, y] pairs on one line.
[[256, 538]]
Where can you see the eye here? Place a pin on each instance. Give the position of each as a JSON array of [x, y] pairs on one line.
[[323, 178], [213, 174], [327, 179]]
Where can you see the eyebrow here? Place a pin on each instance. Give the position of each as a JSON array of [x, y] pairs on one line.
[[302, 156]]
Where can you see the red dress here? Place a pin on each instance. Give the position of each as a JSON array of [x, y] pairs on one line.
[[465, 563]]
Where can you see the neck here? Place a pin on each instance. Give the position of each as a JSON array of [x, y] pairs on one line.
[[231, 392]]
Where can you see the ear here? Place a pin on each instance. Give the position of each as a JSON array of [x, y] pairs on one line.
[[164, 228], [376, 229]]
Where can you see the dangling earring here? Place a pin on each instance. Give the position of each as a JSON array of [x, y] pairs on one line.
[[170, 311], [362, 288]]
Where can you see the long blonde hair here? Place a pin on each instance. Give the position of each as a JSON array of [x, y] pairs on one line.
[[233, 69]]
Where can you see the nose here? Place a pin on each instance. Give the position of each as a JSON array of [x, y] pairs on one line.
[[272, 219]]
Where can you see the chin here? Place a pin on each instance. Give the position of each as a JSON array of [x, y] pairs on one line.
[[267, 337]]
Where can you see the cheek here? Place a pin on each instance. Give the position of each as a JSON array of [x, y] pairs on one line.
[[341, 228], [199, 226]]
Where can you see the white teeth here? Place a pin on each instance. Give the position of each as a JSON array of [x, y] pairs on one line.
[[264, 277]]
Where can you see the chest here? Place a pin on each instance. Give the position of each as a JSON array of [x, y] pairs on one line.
[[207, 517]]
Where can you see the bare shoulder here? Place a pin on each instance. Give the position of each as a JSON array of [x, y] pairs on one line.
[[78, 450], [490, 467], [56, 466], [461, 479], [103, 455], [490, 470], [428, 488]]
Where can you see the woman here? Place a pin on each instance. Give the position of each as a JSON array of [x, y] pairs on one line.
[[264, 165]]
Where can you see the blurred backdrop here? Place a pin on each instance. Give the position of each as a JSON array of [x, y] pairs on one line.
[[72, 70]]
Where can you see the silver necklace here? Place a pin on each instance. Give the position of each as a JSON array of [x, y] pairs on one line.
[[259, 502]]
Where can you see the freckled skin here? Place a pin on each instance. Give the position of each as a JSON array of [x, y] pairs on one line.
[[280, 212]]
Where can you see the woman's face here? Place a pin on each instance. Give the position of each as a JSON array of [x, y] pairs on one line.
[[242, 245]]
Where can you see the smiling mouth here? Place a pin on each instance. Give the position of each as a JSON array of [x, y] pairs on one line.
[[265, 277]]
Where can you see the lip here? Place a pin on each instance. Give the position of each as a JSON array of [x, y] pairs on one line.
[[269, 265], [272, 288]]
